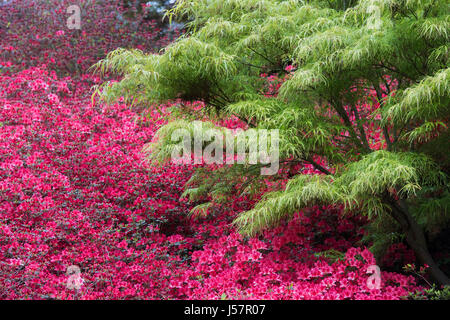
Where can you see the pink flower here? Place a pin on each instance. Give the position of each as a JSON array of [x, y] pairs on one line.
[[53, 98], [123, 244]]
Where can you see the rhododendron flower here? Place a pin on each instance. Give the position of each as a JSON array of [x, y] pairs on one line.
[[76, 189], [53, 98]]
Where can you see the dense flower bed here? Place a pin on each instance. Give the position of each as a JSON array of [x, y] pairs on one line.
[[33, 32], [75, 190]]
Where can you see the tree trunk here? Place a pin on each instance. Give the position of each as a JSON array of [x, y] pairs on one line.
[[416, 238]]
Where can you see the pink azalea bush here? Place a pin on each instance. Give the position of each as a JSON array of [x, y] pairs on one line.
[[35, 32], [75, 190]]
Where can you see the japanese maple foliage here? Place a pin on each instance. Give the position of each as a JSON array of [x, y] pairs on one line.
[[75, 189]]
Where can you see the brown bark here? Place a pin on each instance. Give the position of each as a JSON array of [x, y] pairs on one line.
[[416, 238]]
